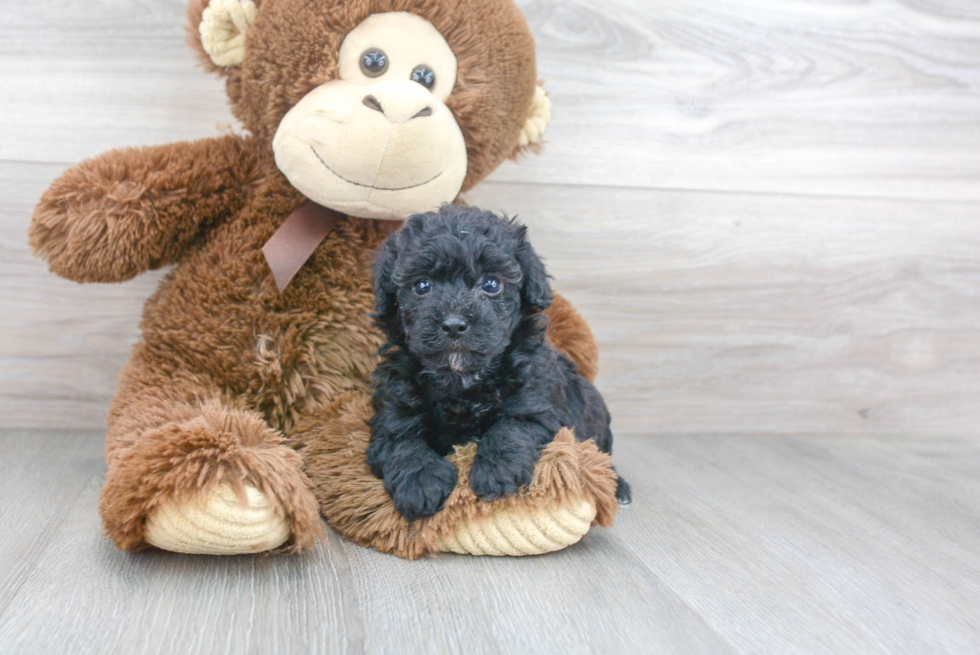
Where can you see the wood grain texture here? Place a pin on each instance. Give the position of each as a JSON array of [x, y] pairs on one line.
[[717, 313], [729, 313], [62, 344], [80, 79], [805, 309], [770, 215], [846, 98], [816, 544], [852, 98], [78, 594], [733, 544]]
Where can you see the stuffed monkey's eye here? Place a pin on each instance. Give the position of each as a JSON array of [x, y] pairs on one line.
[[424, 76], [422, 287], [492, 286], [374, 62]]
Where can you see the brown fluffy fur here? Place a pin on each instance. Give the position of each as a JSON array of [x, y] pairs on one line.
[[131, 210], [569, 334], [228, 367], [333, 443]]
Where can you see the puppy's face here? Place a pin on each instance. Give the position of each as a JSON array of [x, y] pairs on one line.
[[455, 286], [458, 298]]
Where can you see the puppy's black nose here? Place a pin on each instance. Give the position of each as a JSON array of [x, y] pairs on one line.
[[454, 326]]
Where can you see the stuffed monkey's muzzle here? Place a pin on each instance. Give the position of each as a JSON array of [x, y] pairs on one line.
[[384, 150]]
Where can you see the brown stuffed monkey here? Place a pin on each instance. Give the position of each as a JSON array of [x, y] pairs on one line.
[[240, 417]]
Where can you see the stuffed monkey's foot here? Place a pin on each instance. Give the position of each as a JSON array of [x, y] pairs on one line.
[[535, 532], [573, 489], [216, 480], [218, 525]]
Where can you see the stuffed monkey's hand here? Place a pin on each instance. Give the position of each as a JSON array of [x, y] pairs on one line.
[[127, 211]]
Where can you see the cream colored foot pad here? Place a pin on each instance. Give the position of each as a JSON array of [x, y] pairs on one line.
[[218, 526], [507, 533]]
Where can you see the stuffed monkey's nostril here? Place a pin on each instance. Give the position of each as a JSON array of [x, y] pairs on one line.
[[427, 111], [372, 103]]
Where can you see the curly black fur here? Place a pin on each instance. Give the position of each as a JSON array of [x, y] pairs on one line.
[[467, 360]]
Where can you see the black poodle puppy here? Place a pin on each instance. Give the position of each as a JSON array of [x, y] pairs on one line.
[[459, 294]]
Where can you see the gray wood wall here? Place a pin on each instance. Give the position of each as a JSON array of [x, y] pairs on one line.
[[767, 210]]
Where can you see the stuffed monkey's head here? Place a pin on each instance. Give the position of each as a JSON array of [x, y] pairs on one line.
[[378, 108]]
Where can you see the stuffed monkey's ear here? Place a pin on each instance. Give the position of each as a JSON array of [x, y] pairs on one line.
[[535, 290], [222, 28], [537, 121]]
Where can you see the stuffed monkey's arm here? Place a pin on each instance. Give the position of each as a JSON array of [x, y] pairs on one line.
[[127, 211], [569, 334]]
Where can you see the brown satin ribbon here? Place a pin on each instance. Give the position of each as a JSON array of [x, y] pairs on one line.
[[292, 244]]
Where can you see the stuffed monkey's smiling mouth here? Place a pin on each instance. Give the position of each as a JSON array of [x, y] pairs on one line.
[[368, 186]]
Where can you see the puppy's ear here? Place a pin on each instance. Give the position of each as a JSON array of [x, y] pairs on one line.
[[385, 291], [535, 290]]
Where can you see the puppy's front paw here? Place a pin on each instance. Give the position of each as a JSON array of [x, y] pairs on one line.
[[496, 476], [420, 489]]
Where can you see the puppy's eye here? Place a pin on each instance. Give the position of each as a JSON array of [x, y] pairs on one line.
[[422, 287], [424, 76], [374, 62], [492, 286]]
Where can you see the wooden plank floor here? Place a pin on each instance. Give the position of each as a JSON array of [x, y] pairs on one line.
[[734, 544]]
